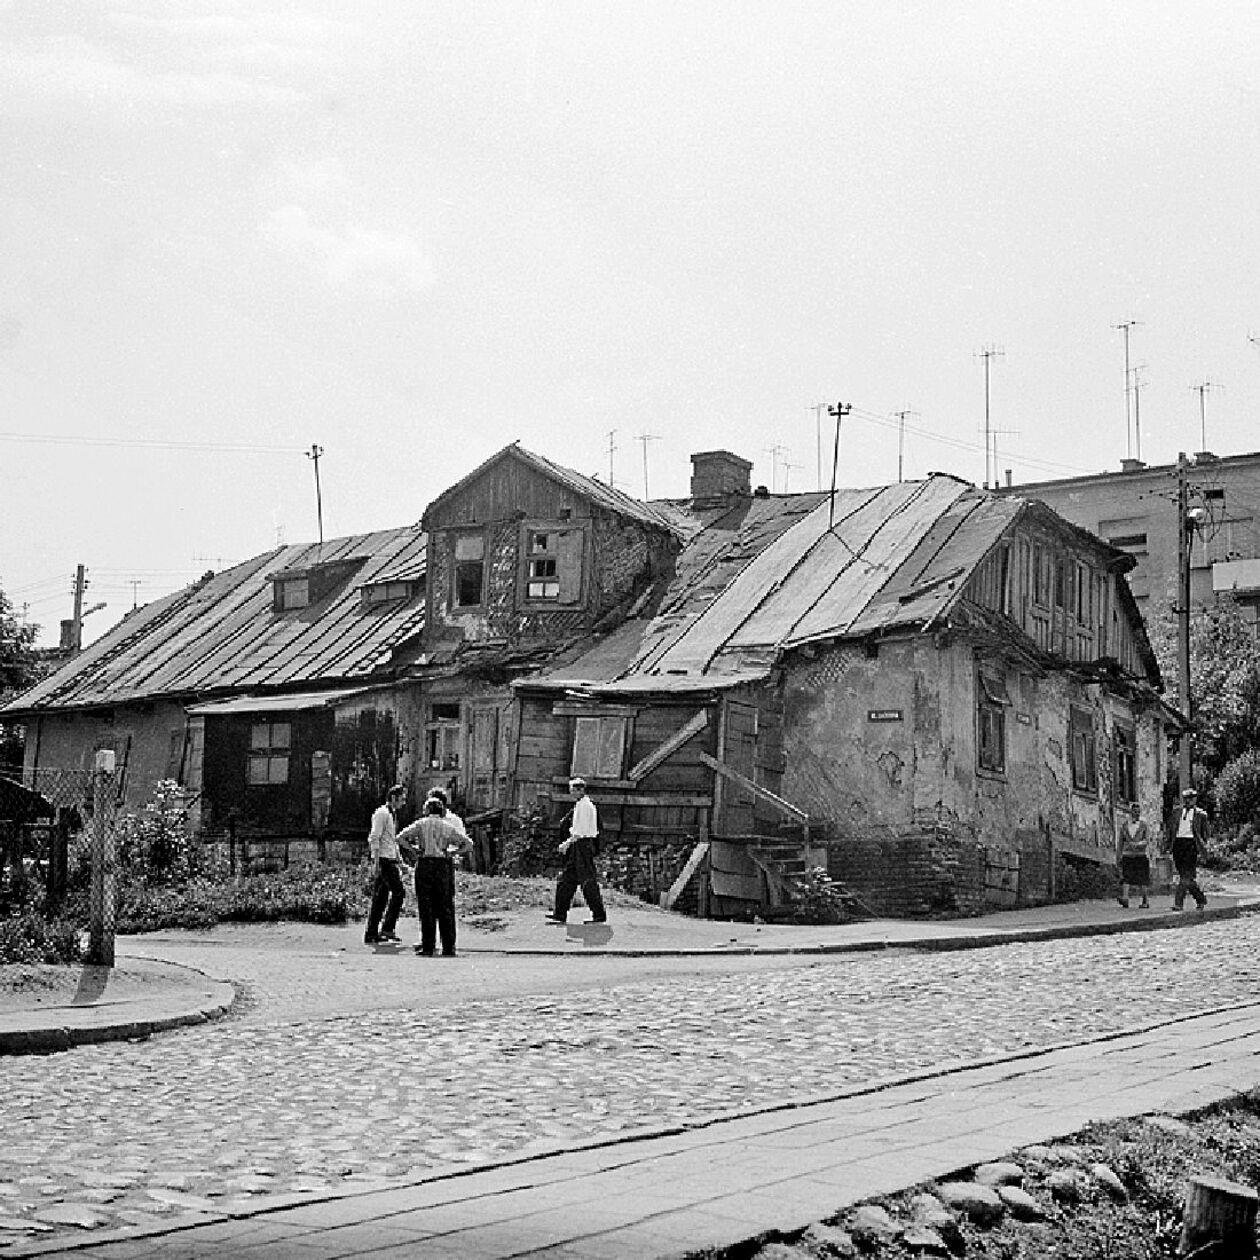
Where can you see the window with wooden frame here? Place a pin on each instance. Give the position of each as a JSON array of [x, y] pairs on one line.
[[552, 565], [1041, 580], [1126, 764], [599, 747], [1083, 750], [991, 705], [442, 736], [270, 744], [294, 592], [469, 577]]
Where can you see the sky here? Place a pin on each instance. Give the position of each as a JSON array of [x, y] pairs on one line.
[[409, 232]]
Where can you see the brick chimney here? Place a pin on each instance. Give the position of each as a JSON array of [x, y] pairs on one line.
[[720, 475]]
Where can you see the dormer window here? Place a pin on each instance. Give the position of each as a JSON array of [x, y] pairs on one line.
[[294, 592], [470, 569], [391, 592], [543, 581], [551, 570]]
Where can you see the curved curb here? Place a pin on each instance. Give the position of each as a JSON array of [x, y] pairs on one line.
[[62, 1028]]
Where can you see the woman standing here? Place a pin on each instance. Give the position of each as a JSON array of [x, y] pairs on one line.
[[1133, 857]]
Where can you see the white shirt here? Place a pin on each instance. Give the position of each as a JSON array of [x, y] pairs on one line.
[[382, 839], [585, 819], [1185, 828]]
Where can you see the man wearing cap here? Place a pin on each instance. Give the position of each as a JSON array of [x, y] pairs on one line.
[[579, 859], [1188, 831]]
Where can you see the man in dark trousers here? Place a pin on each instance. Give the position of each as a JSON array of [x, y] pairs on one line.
[[579, 859], [1188, 833], [388, 893]]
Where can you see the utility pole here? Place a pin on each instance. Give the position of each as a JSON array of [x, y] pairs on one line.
[[1183, 617], [76, 624], [313, 454], [645, 438], [988, 354], [1126, 327], [1202, 390], [818, 409], [901, 439], [839, 411]]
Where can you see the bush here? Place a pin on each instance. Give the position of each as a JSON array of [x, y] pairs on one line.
[[27, 937], [529, 845], [1238, 791], [156, 845], [818, 898]]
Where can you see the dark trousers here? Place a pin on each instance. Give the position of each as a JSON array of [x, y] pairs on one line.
[[435, 899], [1187, 882], [388, 895], [579, 872]]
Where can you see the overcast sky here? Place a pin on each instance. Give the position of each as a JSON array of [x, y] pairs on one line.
[[413, 232]]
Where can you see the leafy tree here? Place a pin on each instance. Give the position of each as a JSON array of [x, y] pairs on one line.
[[1224, 680], [19, 669]]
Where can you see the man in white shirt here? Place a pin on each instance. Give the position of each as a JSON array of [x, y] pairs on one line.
[[1188, 834], [387, 893], [579, 860]]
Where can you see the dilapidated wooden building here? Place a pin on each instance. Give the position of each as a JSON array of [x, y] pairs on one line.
[[939, 695]]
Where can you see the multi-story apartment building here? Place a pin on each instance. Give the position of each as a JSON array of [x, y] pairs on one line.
[[1136, 510]]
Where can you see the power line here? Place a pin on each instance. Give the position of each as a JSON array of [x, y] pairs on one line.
[[64, 439]]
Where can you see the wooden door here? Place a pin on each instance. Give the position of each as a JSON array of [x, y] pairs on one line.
[[739, 748]]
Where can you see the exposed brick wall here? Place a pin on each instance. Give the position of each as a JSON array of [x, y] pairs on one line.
[[927, 873], [628, 867]]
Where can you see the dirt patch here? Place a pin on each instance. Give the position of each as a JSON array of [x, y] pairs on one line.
[[1115, 1190]]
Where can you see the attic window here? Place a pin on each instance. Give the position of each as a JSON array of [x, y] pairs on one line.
[[376, 593], [470, 569], [291, 593], [552, 565]]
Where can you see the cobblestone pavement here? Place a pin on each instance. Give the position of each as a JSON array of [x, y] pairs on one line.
[[253, 1106]]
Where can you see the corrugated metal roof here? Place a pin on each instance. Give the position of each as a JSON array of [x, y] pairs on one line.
[[221, 635], [782, 571], [290, 703]]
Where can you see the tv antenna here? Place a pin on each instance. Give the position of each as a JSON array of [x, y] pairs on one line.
[[644, 438], [818, 409], [1202, 390], [1126, 327], [901, 439]]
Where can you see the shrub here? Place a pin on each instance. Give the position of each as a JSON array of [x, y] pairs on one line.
[[529, 845], [157, 845], [1238, 790], [27, 937], [818, 898]]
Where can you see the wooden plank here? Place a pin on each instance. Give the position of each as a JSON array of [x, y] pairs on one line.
[[694, 726], [591, 708], [756, 789], [639, 798], [679, 886]]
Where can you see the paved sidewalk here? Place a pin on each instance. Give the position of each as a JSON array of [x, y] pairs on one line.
[[731, 1180], [145, 993]]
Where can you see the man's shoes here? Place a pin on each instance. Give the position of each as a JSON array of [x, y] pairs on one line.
[[1176, 907], [603, 918], [554, 918], [371, 940], [449, 953], [391, 938], [1202, 904], [1146, 905], [1124, 901], [422, 952]]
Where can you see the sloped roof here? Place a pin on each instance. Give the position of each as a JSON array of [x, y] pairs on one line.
[[607, 497], [796, 569], [221, 635]]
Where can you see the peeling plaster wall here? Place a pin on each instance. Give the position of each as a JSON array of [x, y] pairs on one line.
[[851, 760]]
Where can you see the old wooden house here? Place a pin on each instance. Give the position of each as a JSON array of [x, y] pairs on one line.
[[939, 695]]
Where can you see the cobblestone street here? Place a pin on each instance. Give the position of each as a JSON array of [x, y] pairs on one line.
[[442, 1064]]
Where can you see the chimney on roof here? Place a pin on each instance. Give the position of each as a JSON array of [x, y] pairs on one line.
[[67, 635], [720, 475], [1132, 465]]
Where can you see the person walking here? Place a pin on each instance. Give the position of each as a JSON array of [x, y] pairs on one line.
[[436, 841], [1133, 857], [387, 891], [1188, 832], [579, 851]]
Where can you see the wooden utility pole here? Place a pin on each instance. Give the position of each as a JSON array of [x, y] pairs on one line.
[[313, 454], [1183, 617], [76, 624], [839, 411]]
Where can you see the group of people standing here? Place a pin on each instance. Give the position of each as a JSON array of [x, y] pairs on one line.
[[1187, 834], [433, 841]]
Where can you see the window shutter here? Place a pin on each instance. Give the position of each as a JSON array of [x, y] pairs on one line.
[[570, 566]]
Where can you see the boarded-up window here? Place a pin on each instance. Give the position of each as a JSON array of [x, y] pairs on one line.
[[1083, 751], [292, 593], [269, 747], [470, 569], [991, 705], [599, 745]]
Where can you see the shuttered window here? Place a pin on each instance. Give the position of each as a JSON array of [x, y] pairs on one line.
[[599, 745]]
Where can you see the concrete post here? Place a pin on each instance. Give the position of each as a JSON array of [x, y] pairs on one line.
[[102, 905]]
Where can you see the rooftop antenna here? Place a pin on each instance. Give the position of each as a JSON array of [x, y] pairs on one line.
[[901, 439], [612, 446], [818, 409], [1126, 327], [645, 438], [313, 454], [1202, 390], [988, 354], [134, 583], [787, 470], [1138, 369], [774, 452], [840, 410]]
